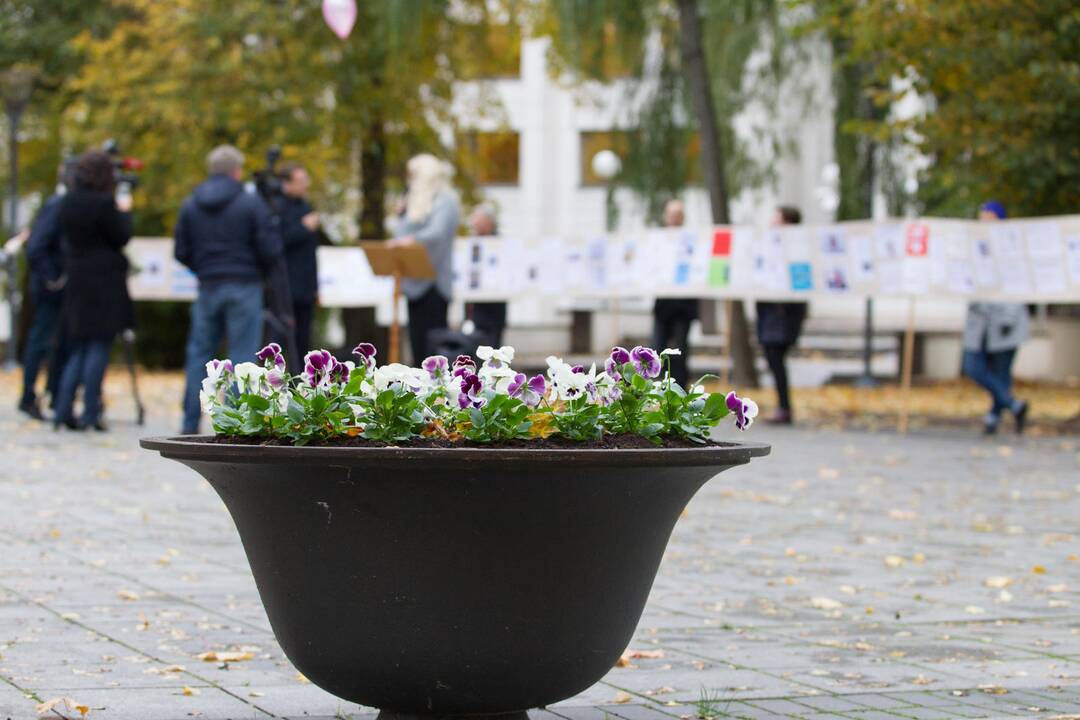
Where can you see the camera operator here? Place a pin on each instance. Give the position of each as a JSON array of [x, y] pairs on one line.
[[301, 235], [230, 240]]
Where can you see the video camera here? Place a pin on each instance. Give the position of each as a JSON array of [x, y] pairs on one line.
[[125, 169], [267, 182]]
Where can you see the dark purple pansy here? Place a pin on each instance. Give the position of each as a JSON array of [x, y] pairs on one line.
[[464, 365], [317, 365], [745, 410], [436, 366], [271, 357], [578, 369], [619, 356], [646, 361], [339, 373], [471, 387], [365, 353]]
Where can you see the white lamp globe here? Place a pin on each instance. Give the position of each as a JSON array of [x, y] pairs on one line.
[[606, 164]]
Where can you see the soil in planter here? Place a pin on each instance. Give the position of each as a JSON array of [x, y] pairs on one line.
[[608, 442]]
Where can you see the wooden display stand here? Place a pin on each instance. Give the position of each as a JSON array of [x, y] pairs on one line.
[[408, 261]]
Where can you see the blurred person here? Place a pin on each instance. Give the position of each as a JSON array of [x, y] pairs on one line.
[[992, 334], [96, 226], [44, 341], [230, 240], [672, 316], [432, 212], [300, 233], [778, 327], [487, 317]]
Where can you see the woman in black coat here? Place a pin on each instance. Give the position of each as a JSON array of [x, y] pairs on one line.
[[778, 328], [97, 306]]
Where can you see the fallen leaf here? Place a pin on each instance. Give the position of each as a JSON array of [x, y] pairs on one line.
[[997, 581], [254, 693], [918, 558], [974, 610], [1039, 570], [824, 603], [302, 679], [189, 691], [127, 595], [902, 514], [993, 690], [216, 656], [644, 654], [1059, 588], [893, 561], [922, 680], [621, 698], [67, 704], [1005, 596]]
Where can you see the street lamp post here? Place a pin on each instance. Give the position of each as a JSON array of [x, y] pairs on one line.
[[606, 166], [16, 85]]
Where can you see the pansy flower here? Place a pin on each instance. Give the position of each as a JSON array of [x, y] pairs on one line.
[[317, 367], [646, 361], [271, 357], [619, 356], [464, 365], [437, 367], [365, 354], [745, 410], [470, 388], [495, 357], [530, 391]]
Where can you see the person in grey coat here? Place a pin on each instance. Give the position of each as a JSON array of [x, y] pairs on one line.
[[431, 217], [992, 334]]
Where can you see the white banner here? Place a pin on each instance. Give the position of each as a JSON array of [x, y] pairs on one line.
[[1027, 260]]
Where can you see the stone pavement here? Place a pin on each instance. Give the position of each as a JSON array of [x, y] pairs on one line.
[[850, 575]]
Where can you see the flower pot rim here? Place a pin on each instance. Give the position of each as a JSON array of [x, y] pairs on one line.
[[196, 448]]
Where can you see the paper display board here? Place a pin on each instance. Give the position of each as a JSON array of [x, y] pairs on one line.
[[1031, 260]]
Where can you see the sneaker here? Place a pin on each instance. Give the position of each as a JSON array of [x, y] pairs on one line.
[[30, 407], [1021, 416], [990, 428]]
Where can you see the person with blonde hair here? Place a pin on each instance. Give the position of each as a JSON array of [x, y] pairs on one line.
[[431, 217]]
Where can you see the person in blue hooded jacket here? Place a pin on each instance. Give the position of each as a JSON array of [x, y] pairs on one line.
[[230, 240]]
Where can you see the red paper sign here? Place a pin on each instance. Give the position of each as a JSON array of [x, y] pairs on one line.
[[721, 242], [918, 239]]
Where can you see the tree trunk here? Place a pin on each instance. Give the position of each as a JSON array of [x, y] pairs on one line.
[[360, 325], [696, 72]]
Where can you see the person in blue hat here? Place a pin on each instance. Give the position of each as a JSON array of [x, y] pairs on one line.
[[992, 334]]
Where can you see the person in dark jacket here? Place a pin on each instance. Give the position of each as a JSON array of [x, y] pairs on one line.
[[230, 240], [778, 328], [44, 341], [672, 316], [301, 236], [96, 227]]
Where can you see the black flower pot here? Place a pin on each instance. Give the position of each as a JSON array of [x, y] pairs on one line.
[[453, 581]]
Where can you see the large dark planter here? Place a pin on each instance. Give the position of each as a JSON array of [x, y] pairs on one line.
[[456, 581]]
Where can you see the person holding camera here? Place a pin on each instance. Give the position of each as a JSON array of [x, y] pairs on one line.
[[230, 240], [96, 225], [300, 231]]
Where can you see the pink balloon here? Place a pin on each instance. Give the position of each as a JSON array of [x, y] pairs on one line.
[[340, 15]]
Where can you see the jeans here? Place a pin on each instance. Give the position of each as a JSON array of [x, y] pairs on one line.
[[776, 356], [993, 371], [39, 340], [85, 366], [230, 311]]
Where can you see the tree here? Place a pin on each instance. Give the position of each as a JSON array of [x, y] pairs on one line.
[[704, 79], [999, 83]]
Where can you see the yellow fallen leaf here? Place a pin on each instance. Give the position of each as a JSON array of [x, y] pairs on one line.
[[621, 698], [918, 558], [997, 582], [67, 704], [302, 679], [127, 595], [1039, 570], [189, 691], [893, 561], [1073, 558], [55, 533], [869, 610], [217, 656], [922, 680], [255, 694], [646, 654]]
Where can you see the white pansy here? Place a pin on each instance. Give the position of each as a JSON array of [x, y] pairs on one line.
[[496, 357], [670, 351], [250, 377], [412, 379]]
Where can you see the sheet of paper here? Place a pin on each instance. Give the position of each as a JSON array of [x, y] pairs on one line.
[[961, 276], [1043, 239], [890, 241], [1049, 275], [983, 261], [862, 259], [596, 267], [741, 269], [1072, 257], [916, 272], [890, 277], [831, 241], [1014, 276], [1006, 240]]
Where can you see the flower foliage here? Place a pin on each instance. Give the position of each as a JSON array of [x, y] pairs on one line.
[[458, 400]]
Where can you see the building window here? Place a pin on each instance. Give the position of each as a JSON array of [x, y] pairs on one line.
[[489, 158]]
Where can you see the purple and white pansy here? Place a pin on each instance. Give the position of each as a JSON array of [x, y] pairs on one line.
[[744, 410]]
